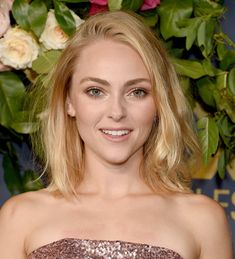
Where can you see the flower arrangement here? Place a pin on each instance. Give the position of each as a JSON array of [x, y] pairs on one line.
[[33, 33]]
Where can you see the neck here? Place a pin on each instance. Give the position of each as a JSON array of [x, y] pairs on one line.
[[109, 180]]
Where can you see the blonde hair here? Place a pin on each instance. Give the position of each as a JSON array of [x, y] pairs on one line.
[[172, 141]]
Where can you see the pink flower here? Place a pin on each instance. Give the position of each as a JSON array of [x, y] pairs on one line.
[[4, 17], [149, 4], [9, 3], [6, 5], [4, 68], [99, 2], [95, 8]]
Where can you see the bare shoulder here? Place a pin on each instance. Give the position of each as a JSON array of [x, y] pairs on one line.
[[23, 203], [21, 207], [198, 202], [202, 207], [208, 223], [18, 215]]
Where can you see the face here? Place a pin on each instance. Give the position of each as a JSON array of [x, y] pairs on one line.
[[111, 99]]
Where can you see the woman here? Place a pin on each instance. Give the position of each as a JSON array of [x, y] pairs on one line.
[[118, 141]]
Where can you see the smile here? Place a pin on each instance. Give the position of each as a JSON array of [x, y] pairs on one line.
[[116, 132]]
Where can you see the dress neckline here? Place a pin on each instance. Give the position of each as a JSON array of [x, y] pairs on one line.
[[104, 241]]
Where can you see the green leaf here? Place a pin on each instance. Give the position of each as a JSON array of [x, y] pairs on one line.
[[226, 129], [226, 126], [20, 13], [49, 4], [221, 80], [208, 8], [222, 165], [65, 18], [171, 13], [114, 5], [150, 17], [190, 26], [22, 124], [223, 162], [188, 90], [221, 50], [44, 63], [37, 16], [190, 68], [228, 59], [176, 53], [225, 100], [132, 5], [205, 36], [192, 32], [75, 1], [209, 137], [206, 89], [12, 92], [12, 175], [24, 127], [31, 181], [231, 80], [208, 67]]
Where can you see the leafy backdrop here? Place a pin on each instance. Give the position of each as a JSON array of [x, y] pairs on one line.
[[33, 33]]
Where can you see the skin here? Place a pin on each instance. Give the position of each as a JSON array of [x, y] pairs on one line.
[[122, 91], [114, 203]]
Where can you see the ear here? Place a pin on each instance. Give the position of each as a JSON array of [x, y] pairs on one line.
[[69, 106]]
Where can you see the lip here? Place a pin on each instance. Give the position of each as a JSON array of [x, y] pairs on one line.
[[116, 129], [115, 138]]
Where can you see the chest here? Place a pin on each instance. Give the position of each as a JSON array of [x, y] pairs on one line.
[[141, 224]]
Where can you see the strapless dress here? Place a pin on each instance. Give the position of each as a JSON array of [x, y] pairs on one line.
[[74, 248]]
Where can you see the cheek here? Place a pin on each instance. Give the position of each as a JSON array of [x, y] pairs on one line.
[[146, 114], [87, 115]]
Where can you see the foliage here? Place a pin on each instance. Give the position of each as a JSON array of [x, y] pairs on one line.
[[191, 30]]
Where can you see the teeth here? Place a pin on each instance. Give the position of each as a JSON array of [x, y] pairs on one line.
[[116, 132]]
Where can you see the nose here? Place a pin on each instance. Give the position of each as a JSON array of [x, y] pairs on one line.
[[117, 108]]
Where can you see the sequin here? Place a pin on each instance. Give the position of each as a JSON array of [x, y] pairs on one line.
[[73, 248]]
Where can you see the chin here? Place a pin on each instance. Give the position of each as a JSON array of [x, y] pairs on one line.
[[116, 160], [121, 158]]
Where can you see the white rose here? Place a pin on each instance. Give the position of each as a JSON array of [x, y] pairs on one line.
[[53, 37], [18, 48]]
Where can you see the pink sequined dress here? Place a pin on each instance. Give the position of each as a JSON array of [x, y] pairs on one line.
[[74, 248]]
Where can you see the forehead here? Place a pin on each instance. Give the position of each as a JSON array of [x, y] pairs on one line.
[[107, 56]]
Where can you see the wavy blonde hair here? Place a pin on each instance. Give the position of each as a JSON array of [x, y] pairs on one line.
[[172, 142]]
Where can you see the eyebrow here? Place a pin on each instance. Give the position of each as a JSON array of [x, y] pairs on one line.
[[106, 83]]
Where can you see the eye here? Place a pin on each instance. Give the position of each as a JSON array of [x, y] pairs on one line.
[[94, 92], [138, 92]]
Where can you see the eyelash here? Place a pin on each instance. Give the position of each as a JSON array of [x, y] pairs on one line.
[[100, 93], [89, 92], [143, 92]]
